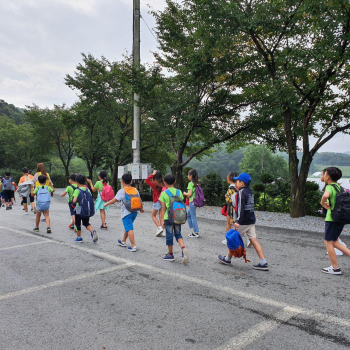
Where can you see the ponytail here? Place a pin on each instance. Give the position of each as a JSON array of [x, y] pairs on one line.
[[194, 174]]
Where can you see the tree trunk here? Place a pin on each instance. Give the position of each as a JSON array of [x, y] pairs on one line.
[[176, 170], [66, 170], [298, 184]]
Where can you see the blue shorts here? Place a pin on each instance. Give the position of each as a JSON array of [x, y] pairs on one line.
[[332, 231], [157, 205], [128, 221], [171, 232], [71, 209]]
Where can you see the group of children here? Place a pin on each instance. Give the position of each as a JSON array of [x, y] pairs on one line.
[[168, 204]]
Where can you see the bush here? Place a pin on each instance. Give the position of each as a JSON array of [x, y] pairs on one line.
[[214, 189], [312, 198], [59, 180]]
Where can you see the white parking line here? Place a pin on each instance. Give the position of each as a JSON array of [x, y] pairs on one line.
[[228, 290], [24, 245], [62, 282], [255, 332]]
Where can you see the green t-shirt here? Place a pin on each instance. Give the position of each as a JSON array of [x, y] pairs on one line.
[[77, 192], [37, 189], [99, 185], [332, 197], [164, 198], [70, 191], [192, 187]]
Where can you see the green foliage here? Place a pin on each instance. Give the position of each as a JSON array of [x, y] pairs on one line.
[[59, 180], [13, 113], [259, 160], [213, 188]]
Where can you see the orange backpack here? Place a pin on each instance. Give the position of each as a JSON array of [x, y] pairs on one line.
[[133, 201]]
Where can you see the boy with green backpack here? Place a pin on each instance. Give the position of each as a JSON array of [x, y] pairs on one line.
[[172, 216]]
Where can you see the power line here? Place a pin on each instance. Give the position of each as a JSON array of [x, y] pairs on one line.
[[150, 30]]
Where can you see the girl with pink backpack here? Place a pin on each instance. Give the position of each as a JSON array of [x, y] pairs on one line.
[[105, 194]]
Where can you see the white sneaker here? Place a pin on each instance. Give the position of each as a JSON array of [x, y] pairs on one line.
[[159, 231], [34, 211], [193, 235], [249, 243], [224, 242], [163, 234], [25, 213], [332, 270], [185, 256]]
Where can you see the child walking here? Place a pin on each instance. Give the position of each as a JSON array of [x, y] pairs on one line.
[[43, 201], [155, 181], [100, 204], [82, 195], [332, 229], [171, 229], [230, 205], [191, 214], [131, 203], [26, 178], [7, 183], [70, 190], [245, 221]]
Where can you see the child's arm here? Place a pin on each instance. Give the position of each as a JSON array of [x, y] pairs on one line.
[[188, 194], [161, 214], [75, 199], [63, 194], [94, 189], [112, 201], [324, 201]]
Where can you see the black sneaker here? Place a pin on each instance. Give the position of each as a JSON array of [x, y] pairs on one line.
[[264, 267], [48, 230], [36, 229], [7, 208]]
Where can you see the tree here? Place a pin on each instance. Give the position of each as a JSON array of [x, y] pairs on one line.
[[201, 104], [259, 160], [53, 125], [296, 61]]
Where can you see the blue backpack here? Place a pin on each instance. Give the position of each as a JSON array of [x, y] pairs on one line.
[[7, 183], [177, 209], [236, 245], [86, 207], [43, 199]]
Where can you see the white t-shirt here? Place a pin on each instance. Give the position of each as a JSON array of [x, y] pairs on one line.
[[120, 197]]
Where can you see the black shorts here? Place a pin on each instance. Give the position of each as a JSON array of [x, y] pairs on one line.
[[12, 194], [31, 199], [79, 220], [7, 195], [332, 231]]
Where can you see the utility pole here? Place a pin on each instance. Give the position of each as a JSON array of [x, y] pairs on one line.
[[136, 143]]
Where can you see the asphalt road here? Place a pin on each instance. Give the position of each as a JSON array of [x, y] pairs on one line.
[[56, 294]]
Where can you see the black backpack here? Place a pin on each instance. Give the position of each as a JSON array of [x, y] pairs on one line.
[[341, 211]]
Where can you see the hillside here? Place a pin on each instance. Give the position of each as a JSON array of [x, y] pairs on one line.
[[224, 162], [14, 113]]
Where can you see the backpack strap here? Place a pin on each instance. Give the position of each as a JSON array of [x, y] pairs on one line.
[[168, 193], [178, 193], [336, 188]]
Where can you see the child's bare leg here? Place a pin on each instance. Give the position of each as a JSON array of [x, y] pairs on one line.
[[103, 216], [342, 248], [228, 223], [154, 217], [73, 220], [181, 242], [25, 206], [79, 233], [47, 218], [257, 247], [229, 254], [37, 218], [125, 237], [131, 236], [89, 228], [170, 248], [331, 253]]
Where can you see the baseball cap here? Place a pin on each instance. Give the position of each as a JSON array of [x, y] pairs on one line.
[[243, 177]]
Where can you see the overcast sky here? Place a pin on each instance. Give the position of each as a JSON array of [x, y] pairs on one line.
[[42, 40]]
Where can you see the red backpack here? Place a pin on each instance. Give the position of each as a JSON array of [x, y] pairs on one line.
[[107, 192]]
